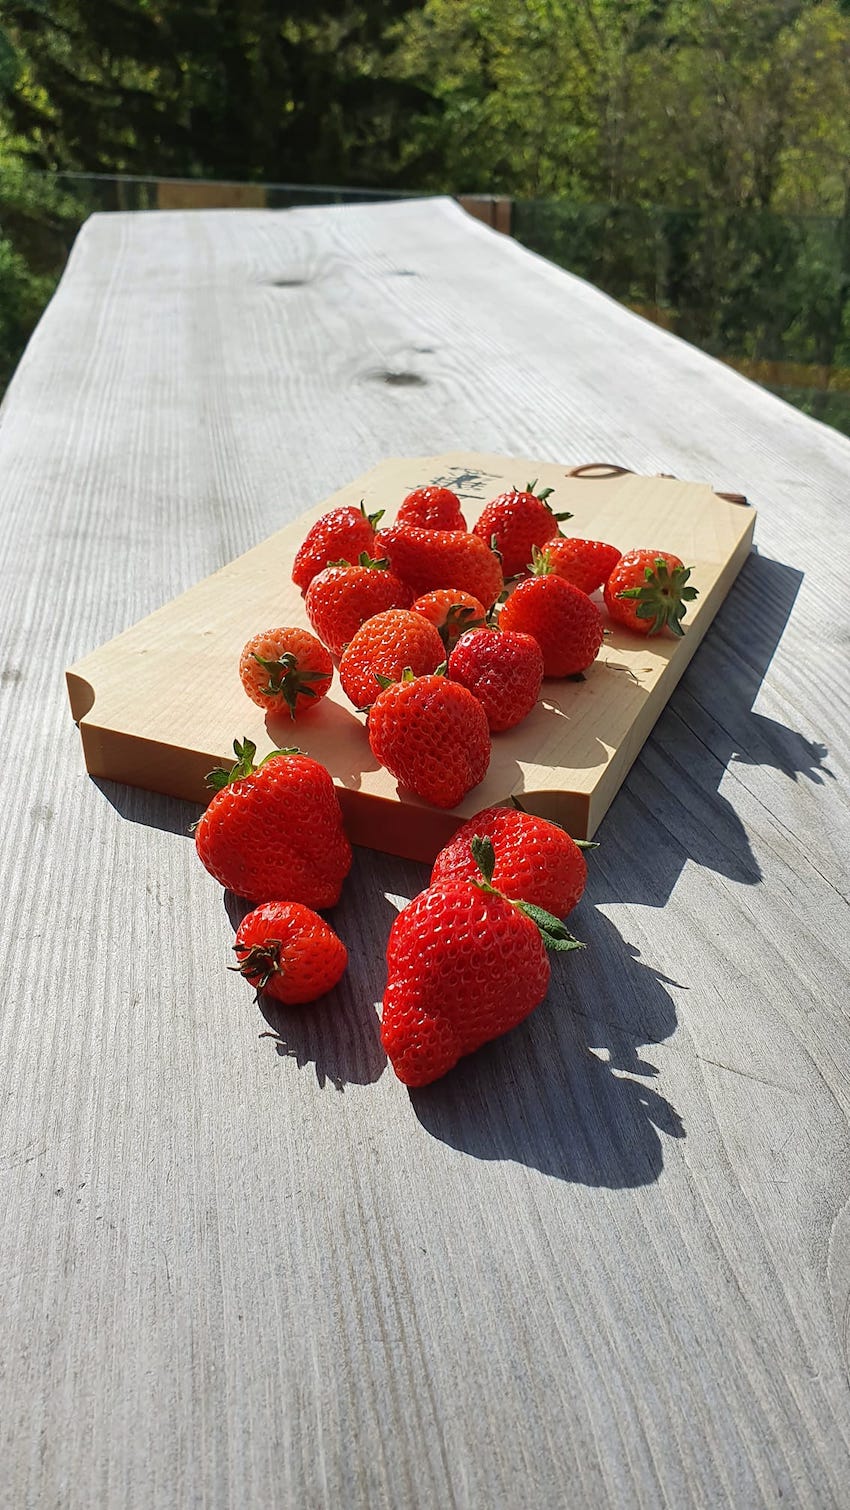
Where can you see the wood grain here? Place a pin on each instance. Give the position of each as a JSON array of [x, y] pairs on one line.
[[566, 761], [607, 1261]]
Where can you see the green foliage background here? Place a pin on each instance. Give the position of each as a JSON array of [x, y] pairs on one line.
[[691, 157]]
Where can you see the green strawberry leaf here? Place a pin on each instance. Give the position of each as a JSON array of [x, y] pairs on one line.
[[484, 856], [372, 519], [552, 931], [219, 778]]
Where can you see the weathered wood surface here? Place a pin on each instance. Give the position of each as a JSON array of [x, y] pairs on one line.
[[606, 1262]]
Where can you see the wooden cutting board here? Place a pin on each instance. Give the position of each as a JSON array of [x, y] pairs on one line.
[[565, 761]]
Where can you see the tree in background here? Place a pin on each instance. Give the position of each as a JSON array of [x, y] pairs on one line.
[[240, 89]]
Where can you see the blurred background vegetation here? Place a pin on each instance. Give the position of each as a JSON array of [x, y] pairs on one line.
[[691, 158]]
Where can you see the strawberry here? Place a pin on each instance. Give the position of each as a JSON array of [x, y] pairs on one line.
[[380, 650], [536, 861], [432, 509], [285, 669], [648, 590], [503, 669], [426, 559], [565, 622], [452, 612], [274, 831], [342, 597], [464, 965], [515, 522], [289, 952], [432, 735], [585, 563], [341, 534]]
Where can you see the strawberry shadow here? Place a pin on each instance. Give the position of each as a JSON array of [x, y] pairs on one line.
[[569, 1091], [330, 733]]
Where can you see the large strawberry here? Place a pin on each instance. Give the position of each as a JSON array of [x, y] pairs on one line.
[[452, 611], [517, 521], [564, 621], [432, 735], [503, 669], [536, 861], [285, 670], [585, 563], [432, 509], [342, 597], [341, 534], [464, 965], [427, 559], [648, 591], [287, 951], [273, 832], [382, 648]]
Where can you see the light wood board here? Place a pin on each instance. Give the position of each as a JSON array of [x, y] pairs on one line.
[[162, 703]]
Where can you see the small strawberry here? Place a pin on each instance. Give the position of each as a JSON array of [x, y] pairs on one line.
[[274, 831], [380, 650], [285, 669], [432, 735], [648, 590], [536, 861], [452, 612], [565, 622], [427, 559], [341, 534], [515, 522], [432, 509], [585, 563], [464, 965], [342, 597], [503, 669], [289, 952]]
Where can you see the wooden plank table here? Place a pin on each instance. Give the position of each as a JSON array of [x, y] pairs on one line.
[[607, 1261]]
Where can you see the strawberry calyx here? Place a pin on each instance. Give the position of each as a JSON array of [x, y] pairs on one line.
[[662, 596], [459, 618], [286, 680], [371, 519], [244, 766], [551, 929], [258, 963], [543, 497], [541, 563], [364, 559]]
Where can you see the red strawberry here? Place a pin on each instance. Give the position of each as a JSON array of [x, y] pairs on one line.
[[536, 861], [648, 590], [341, 534], [432, 509], [381, 649], [515, 522], [585, 563], [565, 622], [285, 668], [502, 669], [464, 965], [289, 952], [452, 612], [274, 831], [426, 559], [342, 597], [432, 735]]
